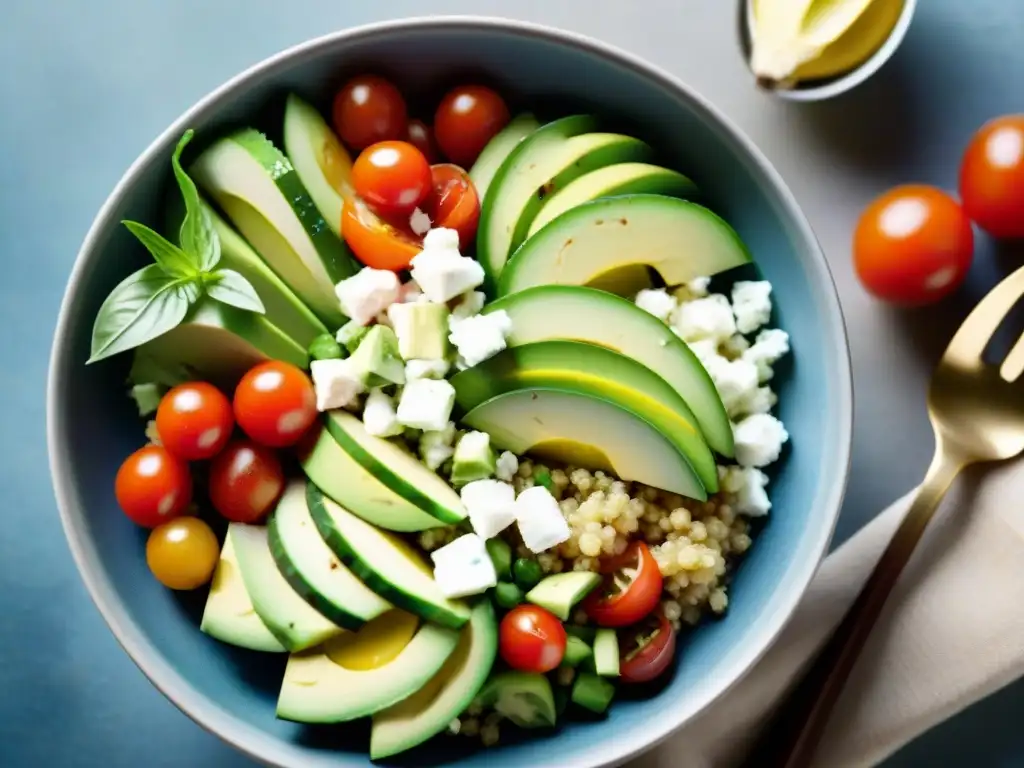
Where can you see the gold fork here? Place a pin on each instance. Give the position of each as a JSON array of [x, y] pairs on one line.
[[977, 414]]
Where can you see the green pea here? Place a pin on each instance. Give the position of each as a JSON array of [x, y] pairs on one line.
[[527, 573], [508, 595], [544, 478], [501, 556]]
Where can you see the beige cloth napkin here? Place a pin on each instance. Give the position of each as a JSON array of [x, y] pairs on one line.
[[951, 634]]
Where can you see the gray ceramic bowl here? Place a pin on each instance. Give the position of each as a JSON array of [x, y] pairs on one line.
[[92, 426]]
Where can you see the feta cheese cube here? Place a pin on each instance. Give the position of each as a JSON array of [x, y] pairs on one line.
[[463, 567], [426, 404], [746, 488], [657, 302], [441, 239], [436, 446], [540, 519], [426, 369], [490, 505], [752, 304], [479, 337], [708, 318], [379, 415], [507, 466], [768, 348], [419, 222], [441, 272], [735, 380], [759, 439], [367, 293], [336, 382]]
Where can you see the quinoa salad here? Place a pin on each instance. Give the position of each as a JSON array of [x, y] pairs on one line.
[[468, 421]]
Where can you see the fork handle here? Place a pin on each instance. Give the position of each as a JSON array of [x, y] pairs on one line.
[[793, 737]]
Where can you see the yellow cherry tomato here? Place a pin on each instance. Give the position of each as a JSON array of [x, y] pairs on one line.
[[182, 553]]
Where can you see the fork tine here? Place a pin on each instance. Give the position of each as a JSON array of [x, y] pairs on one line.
[[973, 335], [1013, 365]]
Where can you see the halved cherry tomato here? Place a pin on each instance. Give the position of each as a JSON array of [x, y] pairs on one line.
[[913, 245], [392, 177], [375, 242], [647, 649], [246, 480], [183, 553], [369, 109], [992, 177], [531, 639], [466, 119], [454, 203], [275, 403], [153, 486], [421, 136], [630, 591], [194, 420]]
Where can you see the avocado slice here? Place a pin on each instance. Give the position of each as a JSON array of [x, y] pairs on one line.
[[680, 240], [295, 623], [586, 431], [561, 592], [427, 712], [345, 480], [385, 563], [525, 698], [540, 164], [585, 314], [592, 370], [312, 569], [498, 148], [229, 615], [363, 672], [259, 190], [323, 164]]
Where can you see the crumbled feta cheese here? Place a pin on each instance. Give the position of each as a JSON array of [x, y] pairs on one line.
[[463, 567], [657, 302], [410, 293], [746, 487], [752, 304], [419, 222], [441, 272], [436, 446], [470, 303], [426, 404], [769, 346], [490, 505], [336, 382], [540, 520], [708, 318], [735, 346], [735, 380], [760, 400], [704, 349], [367, 293], [379, 415], [759, 440], [479, 337], [508, 465], [425, 369]]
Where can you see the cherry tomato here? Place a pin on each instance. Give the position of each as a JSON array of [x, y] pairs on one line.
[[992, 177], [467, 118], [369, 109], [454, 202], [647, 649], [392, 177], [913, 245], [153, 486], [421, 136], [194, 420], [246, 480], [531, 639], [630, 591], [375, 242], [183, 553], [275, 403]]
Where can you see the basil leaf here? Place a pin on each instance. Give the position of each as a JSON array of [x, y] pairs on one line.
[[144, 305], [172, 260], [230, 287], [197, 235]]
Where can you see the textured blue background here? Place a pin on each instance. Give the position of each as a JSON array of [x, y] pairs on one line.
[[86, 86]]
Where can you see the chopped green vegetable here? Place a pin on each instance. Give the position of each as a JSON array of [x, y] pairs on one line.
[[527, 573], [147, 397], [592, 692], [325, 347], [576, 651], [507, 594], [586, 634], [606, 653], [501, 556], [350, 334], [544, 479], [525, 698]]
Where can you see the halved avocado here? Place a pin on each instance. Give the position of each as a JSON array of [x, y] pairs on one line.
[[259, 190], [229, 615], [585, 314], [312, 569], [385, 563], [427, 712], [680, 240], [592, 370], [586, 431], [363, 672], [498, 148]]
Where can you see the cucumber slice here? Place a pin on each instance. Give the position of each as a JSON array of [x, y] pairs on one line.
[[525, 698], [312, 569], [561, 592], [592, 692], [498, 148], [606, 653], [386, 564]]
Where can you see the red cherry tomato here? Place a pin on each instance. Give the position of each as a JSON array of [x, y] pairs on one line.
[[467, 118], [246, 480], [531, 639], [421, 136], [992, 177], [369, 109], [913, 245], [375, 242], [194, 420], [275, 403], [647, 649], [153, 486], [392, 177], [630, 591], [454, 203]]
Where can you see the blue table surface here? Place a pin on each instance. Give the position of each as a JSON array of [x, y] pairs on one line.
[[86, 86]]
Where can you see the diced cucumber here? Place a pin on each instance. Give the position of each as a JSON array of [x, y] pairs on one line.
[[576, 651], [592, 692], [606, 653], [525, 698], [561, 592]]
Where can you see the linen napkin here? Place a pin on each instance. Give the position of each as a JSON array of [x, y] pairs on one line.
[[962, 591]]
